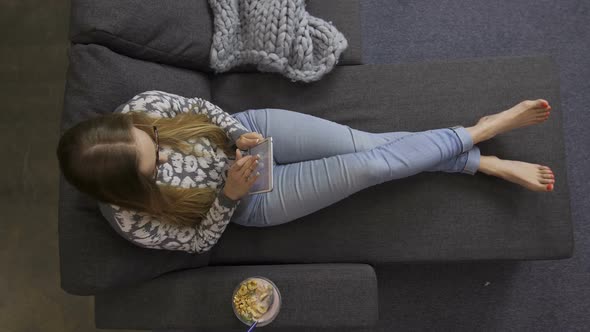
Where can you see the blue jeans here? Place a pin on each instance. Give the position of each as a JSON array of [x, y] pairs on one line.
[[318, 162]]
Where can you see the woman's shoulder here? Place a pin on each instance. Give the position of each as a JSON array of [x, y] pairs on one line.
[[109, 210], [160, 103], [155, 103], [159, 94]]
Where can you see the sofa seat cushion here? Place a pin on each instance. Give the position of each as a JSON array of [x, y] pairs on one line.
[[432, 216], [180, 32], [427, 217]]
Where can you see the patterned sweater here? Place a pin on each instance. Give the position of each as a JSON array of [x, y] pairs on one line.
[[182, 170]]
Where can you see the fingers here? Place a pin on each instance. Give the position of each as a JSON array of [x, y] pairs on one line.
[[253, 178], [259, 137], [248, 166], [238, 154], [243, 163], [251, 139], [238, 165], [253, 135], [252, 142]]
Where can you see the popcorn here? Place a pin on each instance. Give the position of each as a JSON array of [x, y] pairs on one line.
[[252, 299]]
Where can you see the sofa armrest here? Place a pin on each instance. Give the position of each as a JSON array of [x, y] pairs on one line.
[[313, 295]]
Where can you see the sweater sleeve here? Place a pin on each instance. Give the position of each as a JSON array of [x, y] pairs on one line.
[[164, 104], [148, 232]]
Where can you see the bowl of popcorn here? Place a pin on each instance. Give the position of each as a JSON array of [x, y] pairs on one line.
[[256, 299]]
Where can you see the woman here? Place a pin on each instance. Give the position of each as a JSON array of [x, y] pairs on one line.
[[161, 166]]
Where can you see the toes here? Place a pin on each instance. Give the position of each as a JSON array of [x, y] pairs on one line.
[[546, 181], [537, 103], [542, 112], [546, 173], [543, 103], [546, 176], [531, 103], [542, 107], [544, 187]]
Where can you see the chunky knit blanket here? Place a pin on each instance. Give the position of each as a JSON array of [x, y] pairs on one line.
[[276, 35]]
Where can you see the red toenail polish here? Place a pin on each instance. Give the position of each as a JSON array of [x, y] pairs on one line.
[[549, 187], [544, 103]]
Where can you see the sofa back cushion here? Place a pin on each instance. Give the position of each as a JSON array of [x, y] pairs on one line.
[[180, 32], [93, 256], [99, 80]]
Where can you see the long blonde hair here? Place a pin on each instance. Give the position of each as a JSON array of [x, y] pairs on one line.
[[99, 157]]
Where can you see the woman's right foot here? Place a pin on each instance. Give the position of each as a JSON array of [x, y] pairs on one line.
[[522, 114], [531, 176]]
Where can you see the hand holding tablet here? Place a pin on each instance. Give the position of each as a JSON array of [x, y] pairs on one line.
[[264, 182], [252, 171]]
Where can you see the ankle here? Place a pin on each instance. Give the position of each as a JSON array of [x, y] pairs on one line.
[[476, 134], [490, 165], [482, 131]]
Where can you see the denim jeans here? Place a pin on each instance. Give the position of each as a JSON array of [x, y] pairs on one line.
[[318, 162]]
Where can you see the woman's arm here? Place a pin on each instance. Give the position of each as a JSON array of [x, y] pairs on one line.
[[168, 105], [145, 231]]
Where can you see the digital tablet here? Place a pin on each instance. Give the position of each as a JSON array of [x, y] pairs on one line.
[[264, 182]]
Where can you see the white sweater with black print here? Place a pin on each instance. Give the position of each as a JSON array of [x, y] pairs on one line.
[[182, 170]]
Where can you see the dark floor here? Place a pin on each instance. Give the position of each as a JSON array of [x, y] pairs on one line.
[[525, 296], [32, 73]]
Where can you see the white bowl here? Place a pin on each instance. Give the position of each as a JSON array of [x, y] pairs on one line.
[[273, 309]]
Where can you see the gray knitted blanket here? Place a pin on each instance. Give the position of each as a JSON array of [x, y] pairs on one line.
[[276, 35]]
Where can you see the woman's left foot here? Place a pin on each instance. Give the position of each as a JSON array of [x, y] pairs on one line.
[[522, 114]]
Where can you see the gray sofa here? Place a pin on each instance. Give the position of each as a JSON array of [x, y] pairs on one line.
[[324, 263]]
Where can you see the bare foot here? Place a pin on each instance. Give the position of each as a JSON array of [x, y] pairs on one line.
[[531, 176], [523, 114]]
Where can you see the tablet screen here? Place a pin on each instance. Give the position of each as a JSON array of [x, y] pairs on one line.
[[265, 163]]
